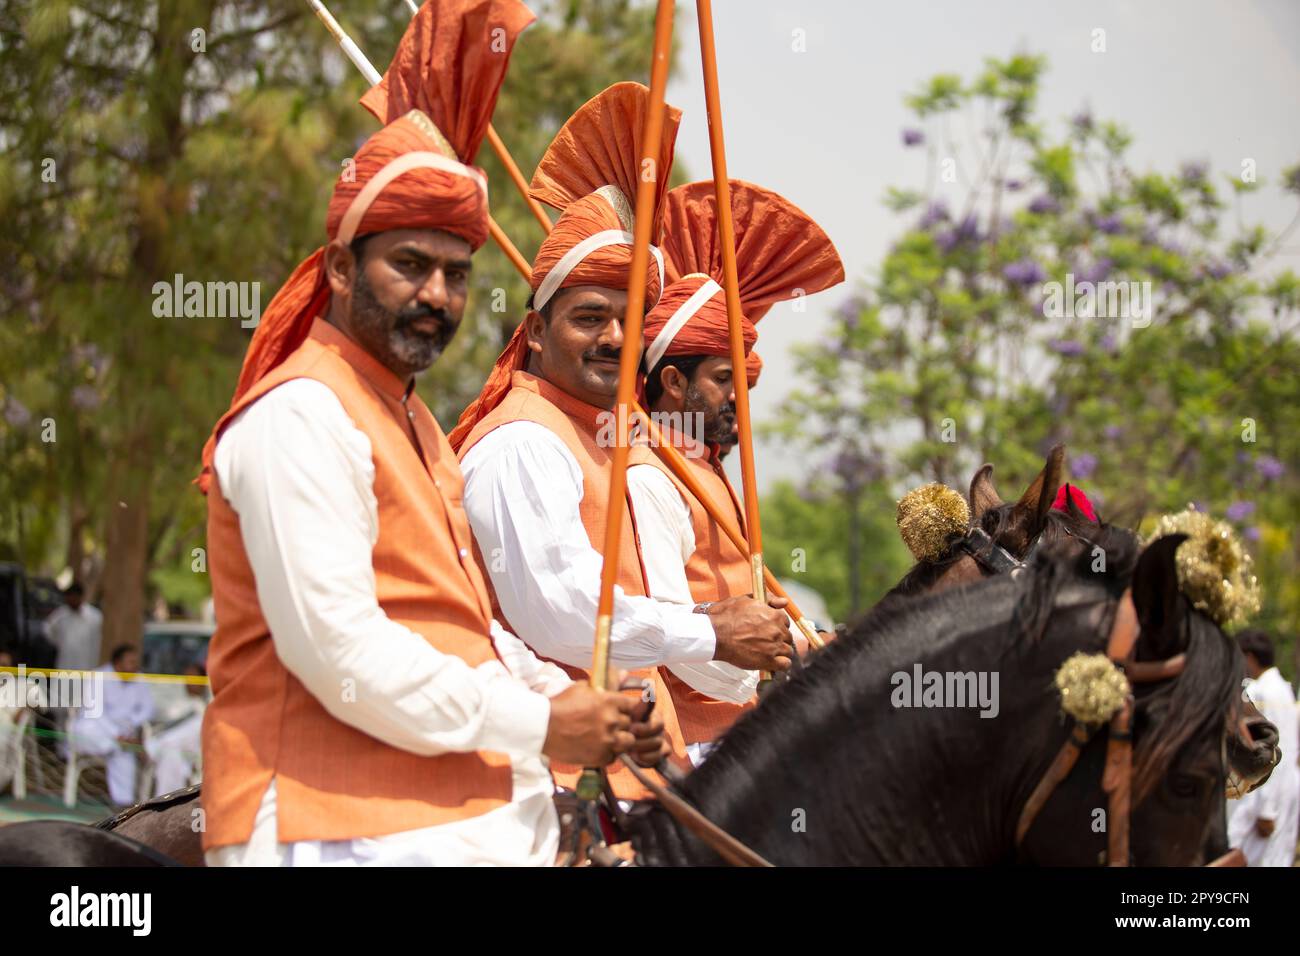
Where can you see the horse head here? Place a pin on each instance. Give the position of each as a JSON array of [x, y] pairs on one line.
[[1194, 737], [997, 536], [887, 749]]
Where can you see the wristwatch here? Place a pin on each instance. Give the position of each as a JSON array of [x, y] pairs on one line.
[[702, 607]]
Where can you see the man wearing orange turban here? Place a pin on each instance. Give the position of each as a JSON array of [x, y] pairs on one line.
[[367, 709], [536, 447], [780, 254]]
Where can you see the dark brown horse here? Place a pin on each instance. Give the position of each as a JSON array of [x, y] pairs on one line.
[[837, 768]]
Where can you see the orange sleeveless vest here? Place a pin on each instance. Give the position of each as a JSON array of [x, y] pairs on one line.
[[717, 569], [333, 781], [577, 425]]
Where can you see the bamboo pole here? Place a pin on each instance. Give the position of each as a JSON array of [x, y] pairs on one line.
[[731, 284], [512, 170], [664, 449], [514, 255], [589, 784]]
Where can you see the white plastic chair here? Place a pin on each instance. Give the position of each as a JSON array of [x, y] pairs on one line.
[[14, 757], [74, 765]]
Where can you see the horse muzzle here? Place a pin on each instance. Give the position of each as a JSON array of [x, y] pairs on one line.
[[1253, 752]]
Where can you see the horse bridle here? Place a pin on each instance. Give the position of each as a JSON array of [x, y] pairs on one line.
[[989, 554], [1117, 776], [995, 559]]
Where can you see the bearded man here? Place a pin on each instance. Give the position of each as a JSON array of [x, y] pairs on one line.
[[689, 390]]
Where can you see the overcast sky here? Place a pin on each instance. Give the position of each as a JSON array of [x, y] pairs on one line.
[[1212, 80]]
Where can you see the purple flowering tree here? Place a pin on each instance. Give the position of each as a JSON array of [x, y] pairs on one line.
[[1055, 293]]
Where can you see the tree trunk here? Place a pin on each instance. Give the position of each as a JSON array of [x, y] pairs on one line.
[[75, 556], [162, 199], [127, 545]]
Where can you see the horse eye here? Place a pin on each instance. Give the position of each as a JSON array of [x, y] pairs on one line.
[[1186, 785]]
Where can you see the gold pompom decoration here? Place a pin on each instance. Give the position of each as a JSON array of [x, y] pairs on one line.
[[1092, 688], [1214, 570], [928, 516]]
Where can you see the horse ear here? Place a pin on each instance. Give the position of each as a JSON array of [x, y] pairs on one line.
[[983, 496], [1074, 511], [1156, 597], [1038, 497]]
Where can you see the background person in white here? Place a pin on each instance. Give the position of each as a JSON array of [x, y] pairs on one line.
[[111, 727], [76, 631], [175, 748], [1263, 823]]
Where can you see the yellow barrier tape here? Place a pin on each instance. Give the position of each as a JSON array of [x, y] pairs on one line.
[[113, 675]]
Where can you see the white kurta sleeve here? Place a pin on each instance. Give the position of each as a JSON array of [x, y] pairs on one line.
[[522, 493], [663, 521], [300, 476]]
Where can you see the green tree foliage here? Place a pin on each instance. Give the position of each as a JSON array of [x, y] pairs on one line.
[[145, 139], [840, 542], [960, 350]]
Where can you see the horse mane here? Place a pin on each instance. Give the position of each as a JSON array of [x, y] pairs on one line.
[[1173, 712]]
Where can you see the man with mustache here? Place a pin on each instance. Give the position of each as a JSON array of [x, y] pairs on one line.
[[536, 446], [780, 254], [367, 709]]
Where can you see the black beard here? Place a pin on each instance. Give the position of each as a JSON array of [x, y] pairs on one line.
[[388, 334], [718, 422]]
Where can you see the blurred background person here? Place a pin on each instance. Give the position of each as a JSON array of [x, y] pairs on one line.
[[110, 727], [176, 747], [1263, 823], [76, 631]]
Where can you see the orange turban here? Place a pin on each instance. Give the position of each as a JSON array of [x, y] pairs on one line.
[[780, 253], [589, 173], [436, 101]]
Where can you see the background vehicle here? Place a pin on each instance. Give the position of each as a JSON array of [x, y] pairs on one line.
[[167, 647]]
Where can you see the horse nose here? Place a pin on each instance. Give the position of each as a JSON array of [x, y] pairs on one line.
[[1261, 733], [1253, 752]]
